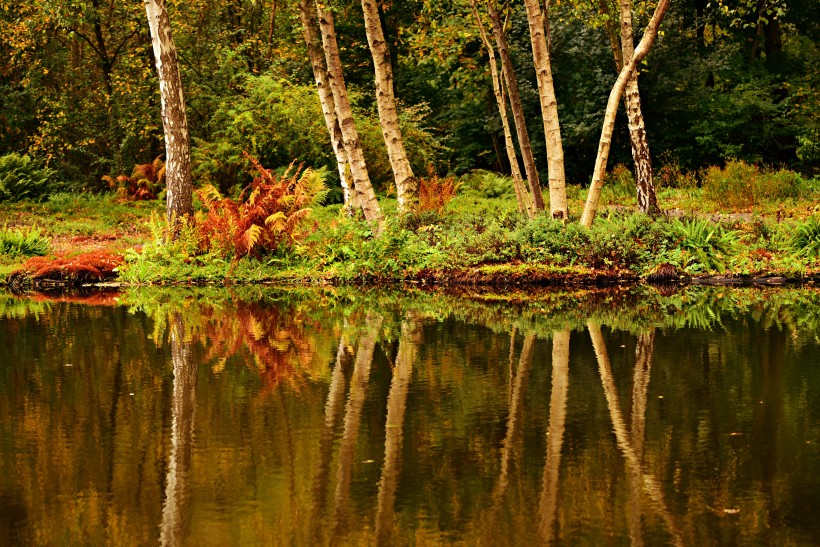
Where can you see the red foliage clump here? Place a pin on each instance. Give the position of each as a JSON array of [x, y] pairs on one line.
[[267, 214], [145, 182], [75, 270], [435, 193]]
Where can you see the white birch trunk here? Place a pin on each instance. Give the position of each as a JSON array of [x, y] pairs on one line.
[[179, 194], [594, 196], [521, 195], [644, 183], [515, 104], [317, 61], [358, 169], [407, 185], [549, 110]]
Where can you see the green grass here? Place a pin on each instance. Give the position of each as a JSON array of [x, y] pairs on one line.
[[480, 231]]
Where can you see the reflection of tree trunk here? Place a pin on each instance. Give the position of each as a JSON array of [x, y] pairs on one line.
[[332, 408], [548, 503], [411, 339], [353, 409], [172, 529], [769, 414], [640, 385], [649, 483], [509, 447]]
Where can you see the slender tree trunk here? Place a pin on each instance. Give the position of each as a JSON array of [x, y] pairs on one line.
[[521, 195], [549, 109], [548, 504], [407, 185], [183, 406], [515, 104], [644, 183], [355, 156], [179, 194], [594, 196], [317, 61], [411, 340]]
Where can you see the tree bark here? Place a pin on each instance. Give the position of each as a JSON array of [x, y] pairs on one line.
[[407, 185], [549, 110], [521, 195], [515, 104], [644, 183], [353, 146], [317, 62], [615, 95], [179, 194]]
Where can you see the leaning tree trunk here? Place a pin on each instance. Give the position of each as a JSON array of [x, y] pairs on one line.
[[179, 200], [317, 61], [521, 195], [549, 110], [615, 95], [407, 185], [515, 104], [358, 169], [644, 184]]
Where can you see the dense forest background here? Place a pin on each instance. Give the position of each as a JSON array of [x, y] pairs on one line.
[[78, 86]]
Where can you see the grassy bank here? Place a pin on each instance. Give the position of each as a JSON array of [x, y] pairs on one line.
[[476, 237]]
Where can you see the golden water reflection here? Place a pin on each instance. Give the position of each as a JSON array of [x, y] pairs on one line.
[[383, 418]]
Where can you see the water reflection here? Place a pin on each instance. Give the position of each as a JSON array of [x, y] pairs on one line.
[[333, 416]]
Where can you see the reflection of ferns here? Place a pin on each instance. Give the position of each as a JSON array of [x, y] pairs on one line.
[[267, 219]]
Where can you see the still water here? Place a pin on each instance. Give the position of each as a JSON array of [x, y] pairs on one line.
[[333, 416]]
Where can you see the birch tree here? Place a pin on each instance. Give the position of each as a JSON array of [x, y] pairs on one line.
[[549, 109], [179, 194], [515, 105], [407, 185], [615, 95], [521, 195], [319, 66], [353, 146]]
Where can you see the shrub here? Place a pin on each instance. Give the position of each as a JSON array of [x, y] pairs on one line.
[[23, 242], [705, 246], [742, 185], [24, 178], [435, 193], [619, 183], [487, 184], [146, 182], [266, 216], [806, 239]]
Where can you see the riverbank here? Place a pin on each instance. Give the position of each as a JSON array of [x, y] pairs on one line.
[[473, 240]]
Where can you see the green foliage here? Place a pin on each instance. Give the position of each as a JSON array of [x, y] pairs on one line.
[[741, 185], [280, 122], [701, 246], [487, 184], [23, 242], [619, 184], [24, 178], [806, 239]]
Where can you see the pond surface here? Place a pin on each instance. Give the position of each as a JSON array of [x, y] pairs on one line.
[[331, 416]]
